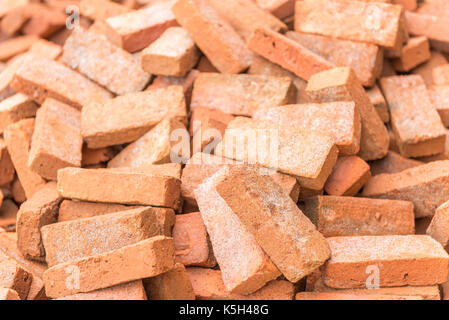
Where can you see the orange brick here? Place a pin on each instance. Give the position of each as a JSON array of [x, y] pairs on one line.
[[167, 169], [401, 260], [7, 75], [46, 49], [440, 74], [244, 265], [365, 58], [98, 59], [287, 53], [192, 244], [410, 5], [41, 78], [173, 54], [415, 52], [350, 216], [372, 22], [341, 84], [213, 35], [135, 30], [96, 156], [426, 69], [9, 5], [14, 46], [147, 258], [208, 285], [279, 8], [204, 65], [377, 99], [101, 9], [439, 96], [8, 294], [320, 118], [14, 277], [127, 291], [18, 140], [439, 227], [8, 214], [350, 295], [432, 27], [15, 108], [17, 191], [6, 167], [127, 118], [43, 20], [392, 163]]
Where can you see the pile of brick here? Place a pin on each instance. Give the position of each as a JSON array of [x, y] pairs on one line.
[[210, 149]]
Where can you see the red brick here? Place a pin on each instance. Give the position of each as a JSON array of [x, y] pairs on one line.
[[377, 99], [46, 49], [393, 163], [439, 97], [279, 8], [127, 291], [426, 69], [14, 46], [13, 276], [415, 52], [439, 227], [15, 108]]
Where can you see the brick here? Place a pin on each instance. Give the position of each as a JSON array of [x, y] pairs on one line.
[[173, 54], [43, 21], [289, 150], [8, 214], [13, 276], [6, 167], [157, 146], [7, 75], [287, 53], [415, 52], [341, 84], [440, 74], [320, 118], [9, 5], [55, 81], [14, 46], [101, 9], [208, 285], [135, 30], [432, 27], [56, 141], [172, 285], [439, 97], [392, 163], [372, 22], [133, 290], [279, 8], [98, 59], [15, 108], [17, 138], [96, 156], [104, 185], [8, 294], [416, 184], [46, 49], [416, 124], [127, 118], [244, 266], [17, 191], [402, 260], [147, 258], [349, 216], [204, 65], [426, 69], [366, 59], [377, 99], [192, 244], [275, 221], [213, 35], [439, 226], [350, 295], [122, 228], [173, 170], [409, 5]]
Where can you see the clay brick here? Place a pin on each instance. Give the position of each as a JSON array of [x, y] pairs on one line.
[[426, 69], [172, 285], [366, 59], [392, 163], [402, 260], [416, 124], [415, 52], [8, 214], [349, 216], [173, 54], [15, 108], [43, 21], [321, 118], [154, 147], [7, 75], [439, 227], [372, 22], [13, 276], [56, 141], [104, 185], [213, 35], [445, 290], [135, 30], [96, 156], [192, 244], [128, 117], [241, 94], [439, 97], [8, 294], [208, 285], [46, 49], [17, 138], [274, 220], [18, 193], [98, 59], [416, 184], [41, 78], [101, 9], [350, 295], [244, 266], [440, 74], [86, 236], [432, 27], [279, 8], [287, 53], [286, 149], [6, 167], [133, 290], [14, 46], [167, 169], [186, 83], [377, 99], [147, 258]]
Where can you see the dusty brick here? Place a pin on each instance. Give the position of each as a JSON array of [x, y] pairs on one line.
[[46, 49], [15, 108], [440, 74], [426, 69], [439, 97], [8, 214], [241, 94], [17, 138], [350, 216], [6, 166], [289, 150], [8, 294], [133, 290], [41, 78], [105, 185], [341, 84], [7, 75], [244, 266], [97, 58], [415, 52], [275, 221], [56, 141], [14, 46], [101, 9], [208, 285], [392, 163], [13, 276], [377, 99], [279, 8], [439, 226], [320, 118], [287, 53], [128, 117], [147, 258], [402, 260], [173, 54]]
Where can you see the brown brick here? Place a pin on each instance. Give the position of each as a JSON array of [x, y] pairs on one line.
[[8, 294], [8, 214], [439, 227], [6, 167], [13, 276], [415, 52], [15, 108], [101, 9], [377, 99], [392, 163], [133, 290], [7, 75]]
